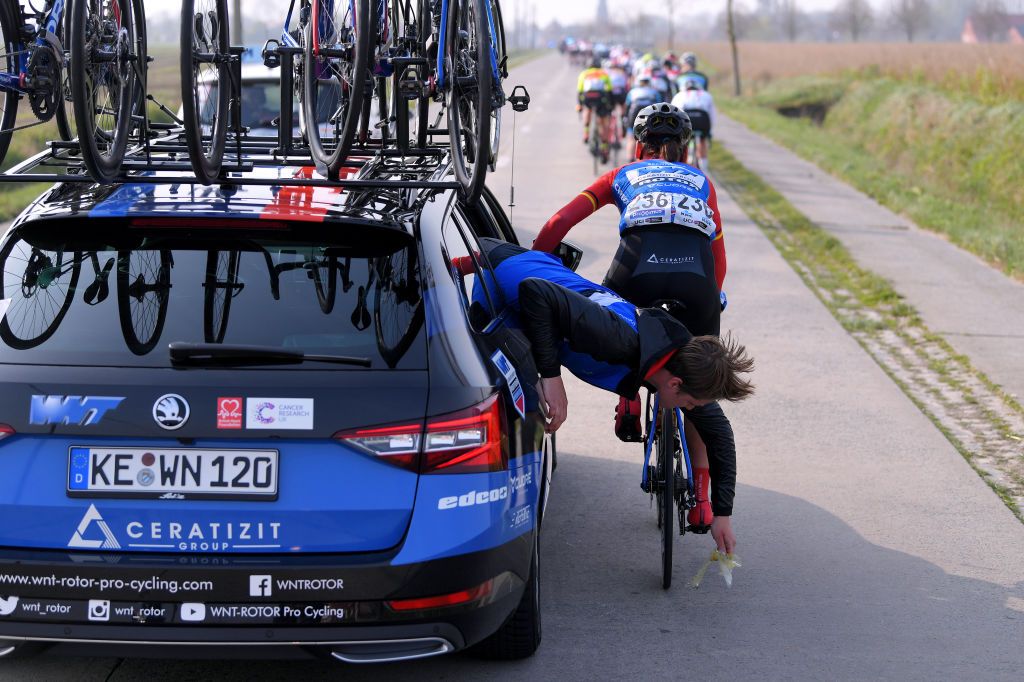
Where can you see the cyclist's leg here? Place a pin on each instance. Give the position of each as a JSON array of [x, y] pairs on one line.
[[701, 515], [587, 113]]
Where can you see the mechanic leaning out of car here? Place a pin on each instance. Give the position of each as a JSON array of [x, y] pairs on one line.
[[610, 343], [671, 247]]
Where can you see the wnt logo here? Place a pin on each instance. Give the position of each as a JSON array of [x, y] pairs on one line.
[[229, 413], [70, 409]]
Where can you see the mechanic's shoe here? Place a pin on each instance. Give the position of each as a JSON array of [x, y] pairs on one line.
[[700, 517], [627, 420]]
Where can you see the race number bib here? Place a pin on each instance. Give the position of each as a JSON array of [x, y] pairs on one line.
[[654, 208]]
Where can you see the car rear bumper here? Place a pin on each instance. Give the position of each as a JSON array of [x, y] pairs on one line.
[[315, 606]]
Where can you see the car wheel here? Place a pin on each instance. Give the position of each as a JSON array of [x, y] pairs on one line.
[[519, 636]]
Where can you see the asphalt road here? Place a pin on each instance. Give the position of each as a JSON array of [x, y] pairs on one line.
[[870, 548]]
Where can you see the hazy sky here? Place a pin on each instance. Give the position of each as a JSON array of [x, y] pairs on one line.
[[563, 10]]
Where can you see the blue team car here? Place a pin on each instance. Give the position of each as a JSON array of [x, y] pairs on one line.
[[266, 418]]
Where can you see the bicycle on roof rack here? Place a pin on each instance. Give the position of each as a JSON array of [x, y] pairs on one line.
[[87, 54]]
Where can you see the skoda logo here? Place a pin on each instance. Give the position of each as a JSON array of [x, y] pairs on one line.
[[171, 411]]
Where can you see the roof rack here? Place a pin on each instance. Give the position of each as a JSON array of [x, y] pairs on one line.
[[250, 160]]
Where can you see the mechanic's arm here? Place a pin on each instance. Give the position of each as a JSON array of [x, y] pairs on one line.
[[715, 430], [586, 202], [718, 245], [552, 314]]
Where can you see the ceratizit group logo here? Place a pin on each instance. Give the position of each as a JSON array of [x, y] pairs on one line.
[[92, 516], [171, 411]]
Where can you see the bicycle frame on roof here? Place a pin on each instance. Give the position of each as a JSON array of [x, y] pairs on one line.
[[15, 82]]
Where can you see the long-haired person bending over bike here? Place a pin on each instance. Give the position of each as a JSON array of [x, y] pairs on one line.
[[611, 344], [671, 248]]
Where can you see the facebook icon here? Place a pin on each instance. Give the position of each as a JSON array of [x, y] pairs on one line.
[[260, 586]]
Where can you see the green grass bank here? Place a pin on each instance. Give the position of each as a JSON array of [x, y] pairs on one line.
[[952, 164]]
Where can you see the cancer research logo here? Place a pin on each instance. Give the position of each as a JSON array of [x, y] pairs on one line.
[[279, 413], [264, 413], [92, 516]]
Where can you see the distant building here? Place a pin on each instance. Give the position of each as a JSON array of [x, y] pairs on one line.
[[602, 13], [1008, 27]]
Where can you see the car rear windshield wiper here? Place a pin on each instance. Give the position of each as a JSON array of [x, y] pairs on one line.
[[221, 354]]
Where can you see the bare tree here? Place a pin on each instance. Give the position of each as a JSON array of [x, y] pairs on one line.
[[735, 53], [671, 5], [853, 16], [237, 38], [989, 17], [913, 16], [790, 19]]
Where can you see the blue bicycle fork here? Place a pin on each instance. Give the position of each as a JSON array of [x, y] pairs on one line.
[[649, 444]]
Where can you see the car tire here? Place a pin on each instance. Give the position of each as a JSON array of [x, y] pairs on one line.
[[519, 636]]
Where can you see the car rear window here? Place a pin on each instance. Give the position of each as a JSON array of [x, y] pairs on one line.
[[122, 301]]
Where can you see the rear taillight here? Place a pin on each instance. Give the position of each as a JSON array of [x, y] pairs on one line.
[[468, 441], [5, 431], [398, 445], [441, 601], [465, 442]]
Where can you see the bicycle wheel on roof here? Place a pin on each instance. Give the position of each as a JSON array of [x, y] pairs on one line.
[[205, 77], [336, 76]]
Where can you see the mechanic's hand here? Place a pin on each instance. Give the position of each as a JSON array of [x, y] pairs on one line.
[[721, 531], [556, 404]]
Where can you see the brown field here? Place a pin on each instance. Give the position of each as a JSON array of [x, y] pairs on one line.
[[991, 70]]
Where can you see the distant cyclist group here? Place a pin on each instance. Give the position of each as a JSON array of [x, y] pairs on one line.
[[617, 85]]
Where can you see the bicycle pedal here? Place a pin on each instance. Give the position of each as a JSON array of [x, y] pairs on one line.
[[698, 530]]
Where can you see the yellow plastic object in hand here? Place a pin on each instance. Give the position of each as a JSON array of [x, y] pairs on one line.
[[726, 562]]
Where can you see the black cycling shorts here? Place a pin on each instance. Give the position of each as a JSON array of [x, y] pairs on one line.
[[619, 98], [600, 102], [669, 262], [701, 121]]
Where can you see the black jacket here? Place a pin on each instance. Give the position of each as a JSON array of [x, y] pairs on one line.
[[552, 314]]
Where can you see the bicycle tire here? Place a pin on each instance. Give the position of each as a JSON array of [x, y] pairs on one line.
[[666, 507], [393, 351], [423, 103], [205, 40], [469, 96], [26, 341], [216, 309], [10, 99], [103, 149], [138, 288], [325, 281], [65, 113], [498, 43], [329, 156]]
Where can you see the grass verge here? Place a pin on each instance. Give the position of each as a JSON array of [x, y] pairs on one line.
[[982, 422], [950, 164]]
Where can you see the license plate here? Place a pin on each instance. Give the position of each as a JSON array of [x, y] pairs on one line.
[[173, 474]]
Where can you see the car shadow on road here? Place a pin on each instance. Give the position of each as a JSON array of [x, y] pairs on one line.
[[813, 599]]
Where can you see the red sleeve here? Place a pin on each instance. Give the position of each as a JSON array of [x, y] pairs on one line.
[[587, 202], [718, 245]]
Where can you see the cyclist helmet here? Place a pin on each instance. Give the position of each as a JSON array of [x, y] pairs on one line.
[[643, 79], [595, 63], [691, 83], [660, 123], [690, 59]]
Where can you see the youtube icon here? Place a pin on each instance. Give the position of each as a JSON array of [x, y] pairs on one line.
[[193, 612]]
